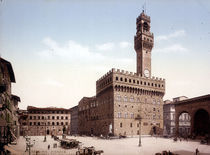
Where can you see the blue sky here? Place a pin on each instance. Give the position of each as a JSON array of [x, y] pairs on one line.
[[59, 48]]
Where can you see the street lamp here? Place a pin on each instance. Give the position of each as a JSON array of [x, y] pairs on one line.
[[139, 119]]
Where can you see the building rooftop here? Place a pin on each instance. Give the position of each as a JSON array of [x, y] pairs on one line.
[[9, 67], [17, 98], [29, 108], [195, 99]]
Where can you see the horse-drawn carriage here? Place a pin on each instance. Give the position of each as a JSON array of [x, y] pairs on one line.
[[88, 151], [69, 143]]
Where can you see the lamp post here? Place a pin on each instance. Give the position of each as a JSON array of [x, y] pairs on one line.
[[139, 119]]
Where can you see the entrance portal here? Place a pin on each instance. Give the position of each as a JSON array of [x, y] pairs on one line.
[[201, 122], [154, 130], [48, 131]]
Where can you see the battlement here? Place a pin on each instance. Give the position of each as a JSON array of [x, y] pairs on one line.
[[131, 74], [135, 75], [122, 77], [104, 76]]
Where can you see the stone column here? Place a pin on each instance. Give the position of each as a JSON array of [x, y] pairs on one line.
[[191, 123], [177, 123]]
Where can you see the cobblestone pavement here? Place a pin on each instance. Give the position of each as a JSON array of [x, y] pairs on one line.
[[127, 146]]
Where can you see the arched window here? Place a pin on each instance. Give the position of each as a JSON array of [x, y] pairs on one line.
[[118, 97], [126, 115], [132, 115], [146, 26], [125, 98], [132, 99], [119, 114]]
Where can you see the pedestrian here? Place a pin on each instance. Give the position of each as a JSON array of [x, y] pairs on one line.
[[48, 147], [196, 151]]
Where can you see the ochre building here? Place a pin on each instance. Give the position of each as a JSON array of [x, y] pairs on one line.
[[45, 121], [127, 103]]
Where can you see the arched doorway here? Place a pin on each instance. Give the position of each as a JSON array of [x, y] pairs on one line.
[[184, 124], [201, 122], [154, 130], [48, 131]]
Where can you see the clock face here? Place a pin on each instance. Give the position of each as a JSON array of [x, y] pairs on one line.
[[146, 73]]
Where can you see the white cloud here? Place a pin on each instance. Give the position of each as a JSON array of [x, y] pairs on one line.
[[176, 48], [124, 44], [71, 50], [52, 82], [77, 54], [175, 34], [105, 47]]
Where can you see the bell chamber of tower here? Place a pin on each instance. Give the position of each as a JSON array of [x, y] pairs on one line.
[[143, 44]]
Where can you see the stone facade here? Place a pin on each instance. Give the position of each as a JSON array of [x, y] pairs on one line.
[[8, 102], [169, 118], [122, 97], [74, 120], [23, 121], [198, 108], [42, 121]]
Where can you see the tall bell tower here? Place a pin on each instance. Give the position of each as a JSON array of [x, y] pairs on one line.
[[143, 44]]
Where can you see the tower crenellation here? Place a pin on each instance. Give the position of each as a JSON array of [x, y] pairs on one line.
[[117, 75]]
